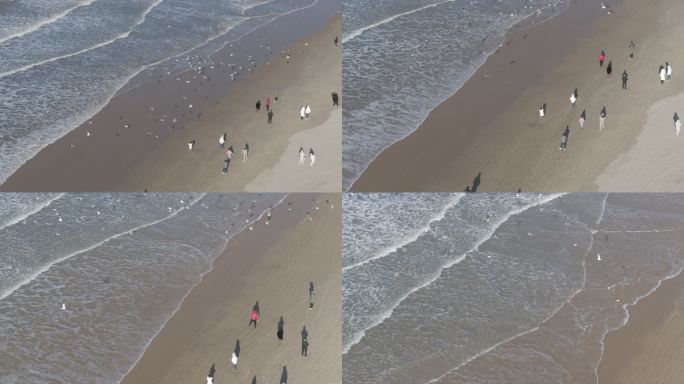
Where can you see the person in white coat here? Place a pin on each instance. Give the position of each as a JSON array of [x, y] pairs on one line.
[[307, 111], [302, 112], [662, 74], [222, 141], [668, 71], [234, 361], [302, 155], [312, 156]]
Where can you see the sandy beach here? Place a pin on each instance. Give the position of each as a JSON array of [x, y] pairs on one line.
[[139, 140], [272, 264], [648, 349], [491, 126]]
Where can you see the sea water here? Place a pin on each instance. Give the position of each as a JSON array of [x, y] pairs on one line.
[[401, 58], [500, 288], [120, 263], [62, 61]]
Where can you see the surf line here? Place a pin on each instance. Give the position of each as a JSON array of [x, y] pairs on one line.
[[47, 267]]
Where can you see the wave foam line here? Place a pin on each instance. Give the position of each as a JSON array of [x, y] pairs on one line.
[[45, 22], [88, 49], [408, 239], [32, 212], [354, 34], [47, 267], [531, 330], [382, 317]]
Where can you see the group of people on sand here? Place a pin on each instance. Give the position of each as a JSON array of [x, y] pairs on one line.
[[229, 153], [254, 319], [269, 108], [665, 74], [302, 156], [304, 112]]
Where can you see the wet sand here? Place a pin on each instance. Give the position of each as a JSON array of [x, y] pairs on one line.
[[648, 349], [135, 143], [273, 264], [492, 126]]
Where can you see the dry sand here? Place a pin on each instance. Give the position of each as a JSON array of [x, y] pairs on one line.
[[322, 176], [649, 348], [273, 264], [131, 149], [491, 125]]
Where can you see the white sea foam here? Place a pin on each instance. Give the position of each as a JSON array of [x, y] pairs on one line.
[[35, 209], [39, 271], [124, 35], [356, 338], [389, 249], [44, 22], [355, 33]]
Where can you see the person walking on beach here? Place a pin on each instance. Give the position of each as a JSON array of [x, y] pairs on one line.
[[191, 145], [677, 123], [258, 105], [222, 140], [335, 99], [245, 152], [609, 69], [602, 58], [307, 111], [668, 71], [267, 102], [302, 155], [210, 376], [302, 112], [234, 361], [281, 330], [564, 139], [625, 77], [602, 118], [573, 99], [583, 118], [254, 316], [542, 110], [270, 117], [336, 41], [662, 74], [226, 163], [229, 153], [312, 156], [305, 341], [283, 376], [312, 294]]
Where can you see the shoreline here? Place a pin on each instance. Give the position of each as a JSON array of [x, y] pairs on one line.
[[526, 22], [480, 127], [250, 264], [102, 153], [647, 347]]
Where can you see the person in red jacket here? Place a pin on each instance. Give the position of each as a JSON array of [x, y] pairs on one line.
[[602, 58], [254, 317]]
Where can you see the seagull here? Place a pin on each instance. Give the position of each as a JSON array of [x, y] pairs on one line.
[[598, 257]]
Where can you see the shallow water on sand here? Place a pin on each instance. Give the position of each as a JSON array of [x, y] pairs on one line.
[[120, 263], [503, 288]]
